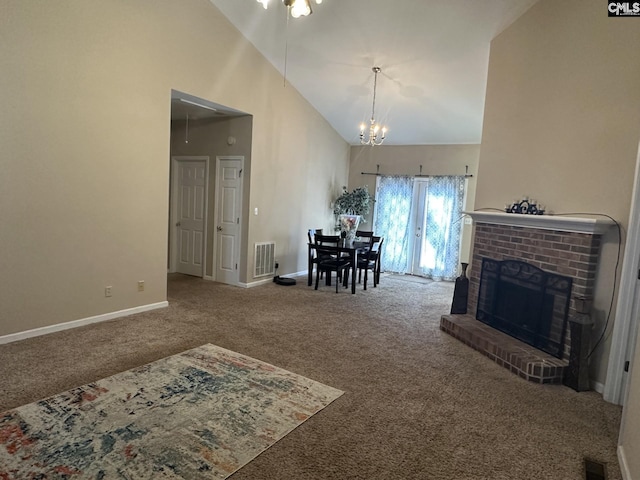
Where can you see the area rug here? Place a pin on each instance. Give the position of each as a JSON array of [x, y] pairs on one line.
[[200, 414]]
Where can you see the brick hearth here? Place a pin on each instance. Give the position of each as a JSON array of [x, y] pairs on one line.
[[522, 359]]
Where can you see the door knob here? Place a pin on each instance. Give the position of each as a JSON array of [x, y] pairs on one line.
[[178, 224], [219, 228]]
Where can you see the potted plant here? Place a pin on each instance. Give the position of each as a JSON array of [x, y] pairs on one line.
[[350, 209]]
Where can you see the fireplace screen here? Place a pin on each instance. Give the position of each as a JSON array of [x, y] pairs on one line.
[[525, 302]]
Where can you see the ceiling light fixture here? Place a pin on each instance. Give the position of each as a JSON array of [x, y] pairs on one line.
[[297, 8], [374, 128]]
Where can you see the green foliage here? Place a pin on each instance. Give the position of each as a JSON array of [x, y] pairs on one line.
[[357, 202]]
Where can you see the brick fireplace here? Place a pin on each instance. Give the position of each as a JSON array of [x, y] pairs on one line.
[[568, 246]]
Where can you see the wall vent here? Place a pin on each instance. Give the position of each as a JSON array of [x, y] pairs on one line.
[[265, 259]]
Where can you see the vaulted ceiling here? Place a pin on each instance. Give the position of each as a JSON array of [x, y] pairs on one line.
[[433, 54]]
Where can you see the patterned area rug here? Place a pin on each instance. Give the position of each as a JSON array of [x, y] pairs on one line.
[[200, 414]]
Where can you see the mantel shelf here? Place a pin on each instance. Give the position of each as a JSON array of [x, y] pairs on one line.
[[593, 226]]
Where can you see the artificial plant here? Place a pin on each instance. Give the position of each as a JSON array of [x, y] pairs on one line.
[[356, 202]]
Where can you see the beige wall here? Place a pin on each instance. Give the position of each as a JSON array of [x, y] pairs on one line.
[[208, 137], [562, 123], [85, 132], [406, 160]]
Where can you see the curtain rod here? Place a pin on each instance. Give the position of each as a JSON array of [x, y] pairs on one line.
[[378, 174]]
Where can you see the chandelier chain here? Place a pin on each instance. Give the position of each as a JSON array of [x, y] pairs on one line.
[[375, 84]]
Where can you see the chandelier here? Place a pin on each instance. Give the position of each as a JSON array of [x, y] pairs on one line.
[[374, 128], [298, 8]]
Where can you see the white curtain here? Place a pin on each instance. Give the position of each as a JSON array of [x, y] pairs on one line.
[[441, 227], [393, 213]]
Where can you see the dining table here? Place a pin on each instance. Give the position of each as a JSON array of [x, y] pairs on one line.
[[345, 248]]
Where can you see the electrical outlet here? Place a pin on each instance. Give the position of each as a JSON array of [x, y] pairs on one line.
[[141, 285], [107, 291]]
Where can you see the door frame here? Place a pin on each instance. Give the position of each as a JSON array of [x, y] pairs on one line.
[[214, 261], [173, 205], [625, 327], [415, 239]]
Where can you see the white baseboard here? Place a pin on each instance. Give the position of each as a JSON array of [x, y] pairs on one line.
[[624, 466], [256, 283], [36, 332], [270, 279], [597, 386]]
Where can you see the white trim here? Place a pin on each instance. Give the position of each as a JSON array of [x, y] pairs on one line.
[[302, 273], [299, 274], [205, 241], [36, 332], [594, 226], [256, 284], [625, 326], [624, 465], [597, 386]]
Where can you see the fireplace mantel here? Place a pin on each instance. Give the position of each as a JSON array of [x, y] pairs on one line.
[[593, 226]]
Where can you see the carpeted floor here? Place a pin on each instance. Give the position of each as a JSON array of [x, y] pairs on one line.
[[418, 404]]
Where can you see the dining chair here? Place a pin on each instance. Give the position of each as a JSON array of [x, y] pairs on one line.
[[312, 260], [325, 240], [331, 260], [369, 261], [312, 232], [363, 243], [321, 239], [378, 261], [317, 238], [363, 234]]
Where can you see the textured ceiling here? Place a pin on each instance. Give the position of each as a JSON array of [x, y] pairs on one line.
[[433, 54]]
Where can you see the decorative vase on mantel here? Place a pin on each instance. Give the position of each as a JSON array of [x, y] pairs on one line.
[[349, 226]]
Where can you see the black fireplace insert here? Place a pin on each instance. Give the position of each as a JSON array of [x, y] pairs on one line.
[[525, 302]]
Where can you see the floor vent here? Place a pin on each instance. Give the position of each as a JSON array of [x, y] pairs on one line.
[[594, 470], [265, 260]]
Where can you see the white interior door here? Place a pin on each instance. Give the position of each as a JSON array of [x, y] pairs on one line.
[[228, 218], [189, 216]]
